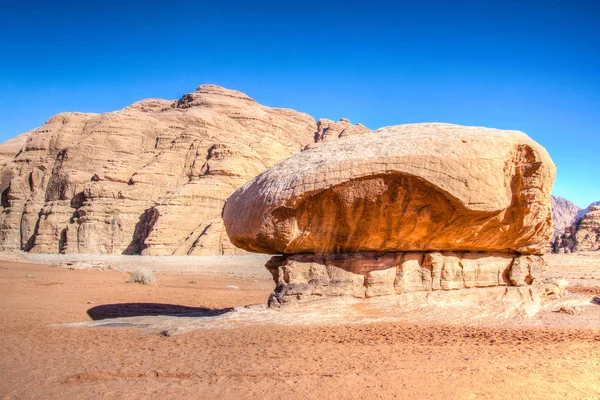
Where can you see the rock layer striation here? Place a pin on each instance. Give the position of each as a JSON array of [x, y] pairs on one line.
[[583, 234], [305, 277], [564, 213], [151, 178]]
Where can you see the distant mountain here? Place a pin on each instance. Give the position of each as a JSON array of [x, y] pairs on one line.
[[583, 234], [564, 214], [582, 212]]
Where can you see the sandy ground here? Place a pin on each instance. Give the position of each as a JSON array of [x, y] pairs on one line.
[[417, 354]]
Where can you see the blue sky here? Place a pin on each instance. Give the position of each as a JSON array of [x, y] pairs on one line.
[[527, 65]]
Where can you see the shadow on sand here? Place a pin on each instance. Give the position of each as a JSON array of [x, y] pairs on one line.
[[147, 309], [596, 300]]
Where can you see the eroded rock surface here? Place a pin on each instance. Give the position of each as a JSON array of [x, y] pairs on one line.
[[564, 214], [405, 209], [151, 178], [305, 277], [405, 188], [583, 234], [328, 130]]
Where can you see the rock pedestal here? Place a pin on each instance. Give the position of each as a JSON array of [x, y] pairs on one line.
[[305, 277], [410, 208]]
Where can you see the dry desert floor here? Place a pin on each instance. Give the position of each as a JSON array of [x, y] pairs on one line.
[[78, 330]]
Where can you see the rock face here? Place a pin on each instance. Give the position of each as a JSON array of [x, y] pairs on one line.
[[584, 211], [405, 188], [563, 214], [305, 277], [10, 148], [583, 234], [151, 178], [328, 130], [408, 208]]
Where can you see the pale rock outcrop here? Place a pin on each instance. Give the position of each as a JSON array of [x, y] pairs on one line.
[[10, 148], [409, 208], [583, 234], [584, 211], [328, 130], [564, 214], [151, 178], [305, 277]]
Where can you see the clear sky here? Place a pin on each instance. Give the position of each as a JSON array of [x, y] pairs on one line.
[[527, 65]]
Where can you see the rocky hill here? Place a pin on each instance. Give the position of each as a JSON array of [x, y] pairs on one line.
[[563, 214], [582, 212], [583, 234], [149, 179]]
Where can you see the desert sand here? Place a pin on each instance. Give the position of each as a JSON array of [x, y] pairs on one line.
[[50, 348]]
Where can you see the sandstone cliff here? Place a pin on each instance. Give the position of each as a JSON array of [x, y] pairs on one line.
[[583, 234], [149, 179], [328, 130], [10, 148]]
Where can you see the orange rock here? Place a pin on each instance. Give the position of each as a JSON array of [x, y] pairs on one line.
[[417, 187]]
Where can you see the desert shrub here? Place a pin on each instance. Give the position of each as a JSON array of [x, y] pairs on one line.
[[142, 276]]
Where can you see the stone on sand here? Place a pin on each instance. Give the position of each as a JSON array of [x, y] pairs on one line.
[[416, 207]]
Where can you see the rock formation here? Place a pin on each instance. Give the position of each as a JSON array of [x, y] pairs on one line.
[[563, 214], [10, 148], [407, 208], [151, 178], [583, 234], [328, 130]]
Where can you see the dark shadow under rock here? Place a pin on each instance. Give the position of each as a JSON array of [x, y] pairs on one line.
[[146, 309]]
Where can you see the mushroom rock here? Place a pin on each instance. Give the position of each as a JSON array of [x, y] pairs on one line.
[[418, 207]]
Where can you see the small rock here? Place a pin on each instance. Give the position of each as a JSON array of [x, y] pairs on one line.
[[90, 302], [28, 276], [571, 310]]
